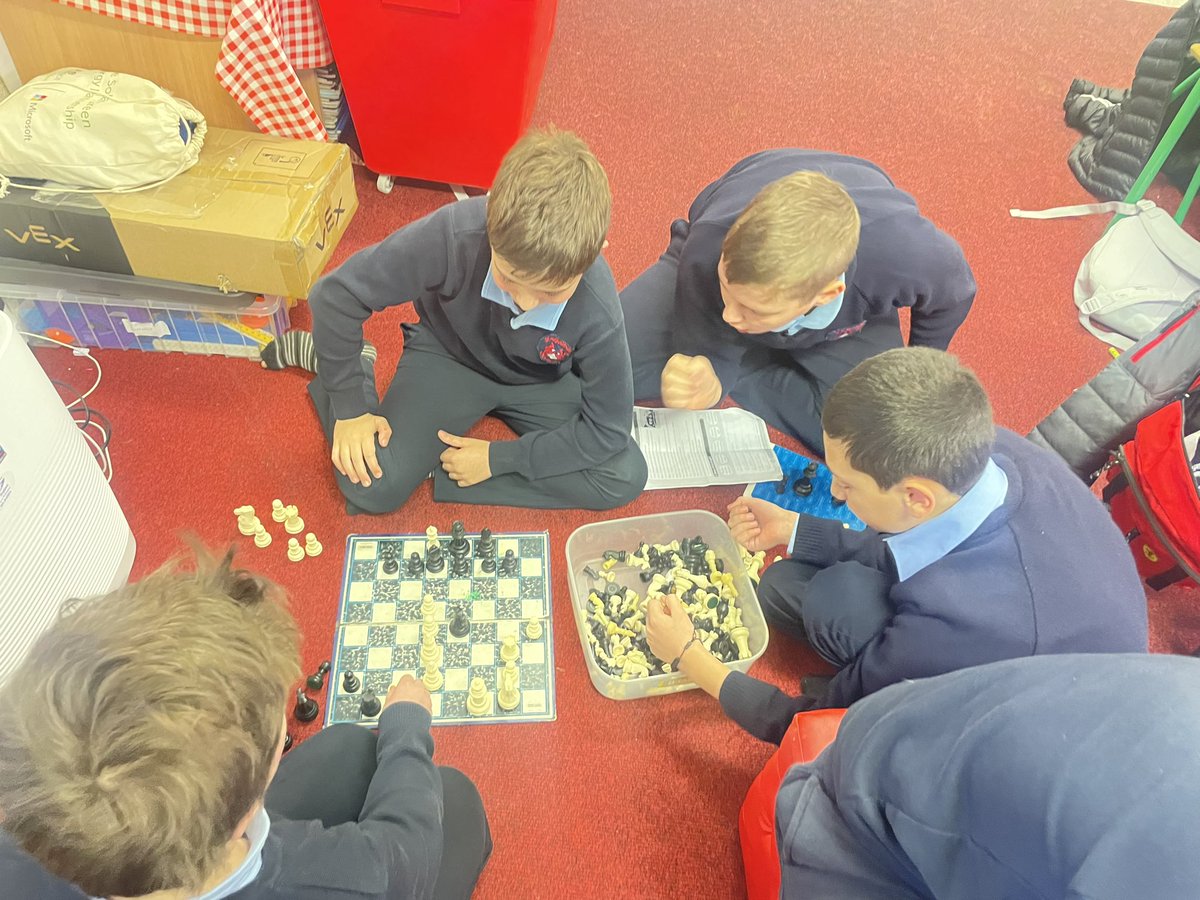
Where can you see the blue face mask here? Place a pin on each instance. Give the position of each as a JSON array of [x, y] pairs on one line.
[[815, 319]]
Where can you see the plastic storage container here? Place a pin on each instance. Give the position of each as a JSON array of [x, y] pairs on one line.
[[98, 309], [439, 89], [586, 548]]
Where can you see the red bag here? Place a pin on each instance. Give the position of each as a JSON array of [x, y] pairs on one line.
[[1154, 496]]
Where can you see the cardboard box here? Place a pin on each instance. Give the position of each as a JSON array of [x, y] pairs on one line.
[[256, 213]]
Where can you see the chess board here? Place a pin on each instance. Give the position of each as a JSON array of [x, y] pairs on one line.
[[819, 503], [378, 634]]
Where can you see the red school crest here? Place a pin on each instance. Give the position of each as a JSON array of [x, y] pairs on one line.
[[840, 333], [553, 349]]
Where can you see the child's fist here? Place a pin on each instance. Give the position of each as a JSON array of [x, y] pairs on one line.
[[690, 382], [409, 690]]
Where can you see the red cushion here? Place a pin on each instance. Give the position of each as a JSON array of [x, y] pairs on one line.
[[809, 734]]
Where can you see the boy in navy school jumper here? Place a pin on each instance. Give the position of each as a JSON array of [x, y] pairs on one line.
[[788, 272], [1055, 776], [979, 547], [140, 757], [520, 318]]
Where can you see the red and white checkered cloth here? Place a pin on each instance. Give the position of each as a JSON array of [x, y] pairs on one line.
[[265, 41]]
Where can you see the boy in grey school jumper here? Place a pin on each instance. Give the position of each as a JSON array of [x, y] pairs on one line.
[[519, 318]]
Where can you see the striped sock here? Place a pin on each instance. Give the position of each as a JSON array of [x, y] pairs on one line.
[[296, 348]]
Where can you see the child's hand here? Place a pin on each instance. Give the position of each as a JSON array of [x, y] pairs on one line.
[[668, 626], [354, 446], [467, 460], [759, 525], [409, 690], [690, 382]]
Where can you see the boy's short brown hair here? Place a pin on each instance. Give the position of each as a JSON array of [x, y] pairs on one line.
[[142, 726], [550, 207], [913, 411], [797, 235]]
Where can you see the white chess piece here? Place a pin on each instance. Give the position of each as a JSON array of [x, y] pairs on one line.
[[293, 524], [295, 551], [432, 678], [509, 651], [533, 629], [247, 520], [509, 695], [478, 703], [278, 513], [262, 537], [312, 546]]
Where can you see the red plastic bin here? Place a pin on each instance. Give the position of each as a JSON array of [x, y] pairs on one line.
[[439, 89]]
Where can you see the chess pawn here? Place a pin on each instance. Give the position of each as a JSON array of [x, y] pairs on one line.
[[432, 679], [262, 537], [295, 551], [306, 708], [293, 524], [533, 629], [350, 682], [312, 546], [370, 705], [477, 697], [741, 638], [278, 513], [509, 651]]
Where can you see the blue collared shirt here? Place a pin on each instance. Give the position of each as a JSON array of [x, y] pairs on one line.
[[821, 317], [928, 542], [243, 875], [544, 315]]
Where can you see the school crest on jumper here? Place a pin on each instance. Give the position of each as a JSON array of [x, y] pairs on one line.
[[553, 349], [839, 333]]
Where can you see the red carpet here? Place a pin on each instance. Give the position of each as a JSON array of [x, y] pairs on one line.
[[960, 102]]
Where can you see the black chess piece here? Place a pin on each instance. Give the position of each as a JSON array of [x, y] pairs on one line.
[[837, 502], [287, 743], [803, 487], [459, 545], [435, 559], [415, 566], [508, 565], [350, 682], [370, 705], [306, 708], [486, 545], [810, 471], [316, 680], [782, 484], [390, 566], [459, 625], [488, 564]]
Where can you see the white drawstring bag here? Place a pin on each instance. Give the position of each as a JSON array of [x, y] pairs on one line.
[[85, 131], [1136, 276]]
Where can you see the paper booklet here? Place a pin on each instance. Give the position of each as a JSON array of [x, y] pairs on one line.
[[696, 448]]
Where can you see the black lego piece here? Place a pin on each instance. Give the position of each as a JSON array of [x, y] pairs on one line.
[[810, 471], [415, 566], [618, 555], [435, 560], [370, 705], [459, 625], [350, 682], [316, 680], [803, 487], [591, 573], [306, 708]]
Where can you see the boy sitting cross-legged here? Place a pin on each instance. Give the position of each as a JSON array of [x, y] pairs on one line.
[[519, 319], [139, 737], [979, 547]]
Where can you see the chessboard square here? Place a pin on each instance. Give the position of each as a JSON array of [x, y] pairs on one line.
[[379, 658], [533, 654], [354, 635], [485, 588], [357, 612], [483, 654], [533, 677], [417, 547], [438, 576], [487, 673], [383, 612], [439, 610], [533, 701], [459, 589], [352, 659], [483, 609], [457, 679], [483, 632], [378, 683], [346, 709], [503, 545], [533, 609], [408, 632], [533, 546], [410, 590], [508, 628], [509, 608], [366, 549], [437, 589], [508, 587], [454, 705], [457, 652], [533, 587], [381, 635], [359, 591], [531, 567], [435, 701], [363, 570], [406, 658]]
